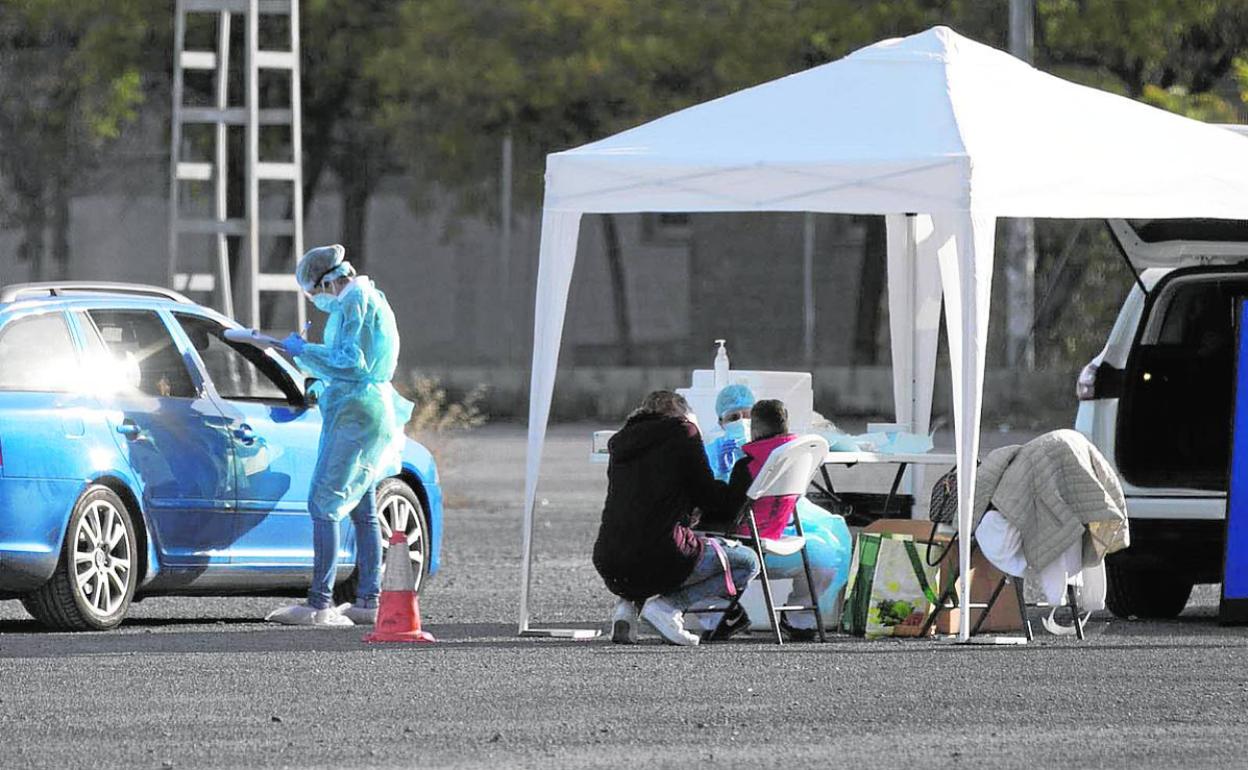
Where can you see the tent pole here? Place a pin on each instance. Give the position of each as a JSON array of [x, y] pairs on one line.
[[557, 255], [808, 290]]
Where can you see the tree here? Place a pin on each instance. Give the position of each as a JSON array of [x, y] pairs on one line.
[[1163, 43], [1176, 55], [340, 108], [71, 80], [457, 76]]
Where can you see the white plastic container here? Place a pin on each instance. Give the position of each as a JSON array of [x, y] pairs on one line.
[[793, 388]]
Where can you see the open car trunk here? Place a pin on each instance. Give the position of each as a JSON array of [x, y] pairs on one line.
[[1174, 417]]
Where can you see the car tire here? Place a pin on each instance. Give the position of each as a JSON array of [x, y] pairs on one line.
[[397, 504], [96, 575], [1144, 593]]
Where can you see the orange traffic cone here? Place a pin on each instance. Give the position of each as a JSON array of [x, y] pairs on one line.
[[398, 614]]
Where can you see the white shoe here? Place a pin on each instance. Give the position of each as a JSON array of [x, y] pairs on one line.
[[668, 621], [305, 615], [361, 616], [624, 622]]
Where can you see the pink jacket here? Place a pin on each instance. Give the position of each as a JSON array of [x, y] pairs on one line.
[[772, 513]]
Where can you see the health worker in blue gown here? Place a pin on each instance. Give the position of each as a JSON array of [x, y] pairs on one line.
[[361, 431]]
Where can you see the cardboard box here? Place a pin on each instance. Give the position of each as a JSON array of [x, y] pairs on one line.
[[1004, 616]]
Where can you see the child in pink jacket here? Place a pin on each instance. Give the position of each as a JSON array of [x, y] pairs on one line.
[[828, 541]]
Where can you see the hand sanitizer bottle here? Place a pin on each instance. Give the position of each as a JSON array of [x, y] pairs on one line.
[[721, 366]]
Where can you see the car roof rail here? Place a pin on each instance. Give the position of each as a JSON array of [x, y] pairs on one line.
[[62, 288]]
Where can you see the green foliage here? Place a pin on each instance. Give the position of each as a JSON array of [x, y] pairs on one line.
[[893, 613], [1081, 282], [456, 76], [1208, 107], [74, 75], [1165, 43], [89, 56], [430, 87]]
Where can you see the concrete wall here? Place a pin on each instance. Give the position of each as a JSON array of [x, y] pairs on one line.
[[607, 394]]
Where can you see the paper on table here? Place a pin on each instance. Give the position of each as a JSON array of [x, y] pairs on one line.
[[841, 442], [252, 337], [909, 443]]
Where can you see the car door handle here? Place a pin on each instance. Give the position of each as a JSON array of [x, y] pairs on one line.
[[244, 434], [130, 430]]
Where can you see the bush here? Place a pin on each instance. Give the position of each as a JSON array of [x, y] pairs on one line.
[[435, 413]]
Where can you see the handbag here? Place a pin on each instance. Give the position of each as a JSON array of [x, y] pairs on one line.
[[943, 508]]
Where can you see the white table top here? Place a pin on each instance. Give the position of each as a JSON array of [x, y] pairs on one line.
[[918, 458], [854, 458]]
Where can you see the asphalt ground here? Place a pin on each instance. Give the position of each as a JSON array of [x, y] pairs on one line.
[[200, 682]]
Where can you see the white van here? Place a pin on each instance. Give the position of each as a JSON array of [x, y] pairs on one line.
[[1157, 403]]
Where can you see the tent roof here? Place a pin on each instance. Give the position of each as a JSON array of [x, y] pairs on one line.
[[930, 122]]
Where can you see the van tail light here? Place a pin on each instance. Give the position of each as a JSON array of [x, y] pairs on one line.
[[1085, 386]]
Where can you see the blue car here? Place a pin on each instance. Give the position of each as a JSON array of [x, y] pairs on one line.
[[142, 454]]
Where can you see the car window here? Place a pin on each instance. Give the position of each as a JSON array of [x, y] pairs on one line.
[[236, 371], [1198, 314], [37, 353], [139, 341]]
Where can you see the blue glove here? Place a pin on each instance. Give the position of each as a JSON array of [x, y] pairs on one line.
[[294, 344], [727, 454]]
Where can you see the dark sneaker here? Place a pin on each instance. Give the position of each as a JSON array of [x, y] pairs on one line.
[[729, 625], [797, 634], [624, 622]]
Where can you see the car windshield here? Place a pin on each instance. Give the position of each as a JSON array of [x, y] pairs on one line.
[[237, 371]]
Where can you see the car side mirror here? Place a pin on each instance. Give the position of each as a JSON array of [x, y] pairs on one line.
[[312, 388]]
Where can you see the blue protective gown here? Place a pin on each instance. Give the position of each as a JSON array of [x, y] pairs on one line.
[[362, 417], [829, 544]]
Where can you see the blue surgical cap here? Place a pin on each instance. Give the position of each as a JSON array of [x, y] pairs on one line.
[[322, 264], [733, 397]]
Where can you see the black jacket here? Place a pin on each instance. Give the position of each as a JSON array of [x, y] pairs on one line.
[[658, 474]]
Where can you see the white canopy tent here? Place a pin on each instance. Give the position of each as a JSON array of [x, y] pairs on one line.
[[939, 133]]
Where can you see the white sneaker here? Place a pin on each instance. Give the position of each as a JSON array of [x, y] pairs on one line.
[[668, 621], [624, 622], [361, 616], [304, 615]]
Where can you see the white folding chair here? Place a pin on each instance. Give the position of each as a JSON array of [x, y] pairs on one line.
[[788, 471]]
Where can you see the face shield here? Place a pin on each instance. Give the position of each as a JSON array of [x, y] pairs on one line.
[[320, 267]]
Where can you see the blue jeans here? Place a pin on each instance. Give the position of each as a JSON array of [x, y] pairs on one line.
[[707, 579], [367, 555]]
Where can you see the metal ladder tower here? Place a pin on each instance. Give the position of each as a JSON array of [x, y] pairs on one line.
[[221, 116]]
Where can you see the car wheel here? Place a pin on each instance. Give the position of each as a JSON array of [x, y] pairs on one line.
[[399, 508], [1144, 593], [95, 577]]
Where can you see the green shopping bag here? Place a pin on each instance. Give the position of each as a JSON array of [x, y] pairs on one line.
[[890, 587]]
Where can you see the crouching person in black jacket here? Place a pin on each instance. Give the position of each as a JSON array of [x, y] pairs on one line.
[[646, 552]]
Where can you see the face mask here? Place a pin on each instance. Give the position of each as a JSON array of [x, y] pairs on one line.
[[325, 302], [738, 430]]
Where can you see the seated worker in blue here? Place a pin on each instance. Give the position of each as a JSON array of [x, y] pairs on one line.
[[828, 542], [361, 431], [646, 552], [732, 407]]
